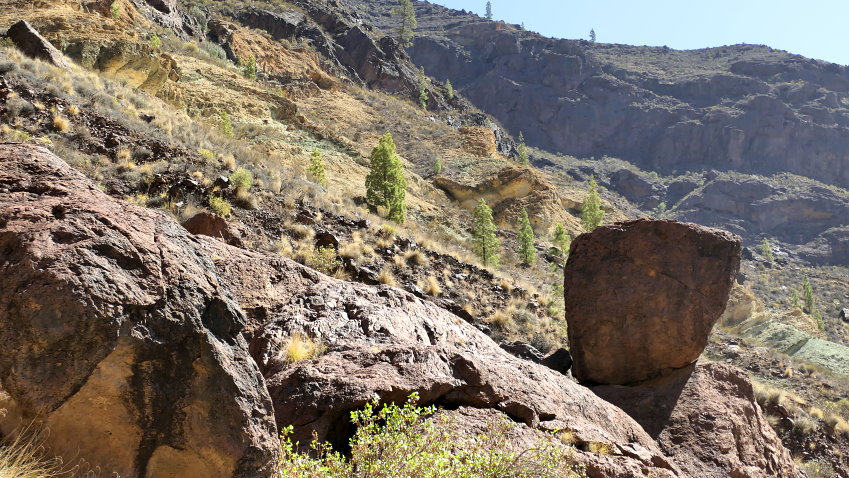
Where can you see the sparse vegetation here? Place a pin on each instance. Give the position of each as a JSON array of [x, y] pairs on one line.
[[242, 179], [115, 10], [410, 441], [591, 211], [155, 42], [522, 150], [423, 96], [316, 168], [220, 206], [766, 250], [298, 348], [250, 68], [449, 89]]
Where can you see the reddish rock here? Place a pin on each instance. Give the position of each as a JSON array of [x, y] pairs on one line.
[[642, 297], [33, 45], [385, 342], [213, 225], [706, 418], [118, 335]]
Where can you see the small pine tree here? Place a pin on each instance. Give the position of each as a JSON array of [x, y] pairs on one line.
[[449, 89], [385, 183], [523, 150], [527, 251], [115, 10], [250, 69], [591, 211], [592, 35], [561, 240], [437, 166], [155, 42], [423, 96], [407, 14], [808, 295], [794, 300], [316, 168], [484, 241], [766, 250], [489, 10], [226, 123]]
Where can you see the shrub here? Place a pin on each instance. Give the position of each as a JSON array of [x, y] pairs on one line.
[[115, 10], [226, 123], [591, 211], [61, 124], [316, 168], [155, 42], [250, 69], [220, 206], [242, 179], [385, 277], [411, 441], [323, 259]]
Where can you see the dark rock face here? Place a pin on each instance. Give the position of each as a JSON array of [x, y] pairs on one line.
[[169, 14], [32, 44], [212, 225], [705, 416], [642, 297], [118, 334]]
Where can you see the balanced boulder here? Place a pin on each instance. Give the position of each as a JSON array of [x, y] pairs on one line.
[[117, 334], [642, 297]]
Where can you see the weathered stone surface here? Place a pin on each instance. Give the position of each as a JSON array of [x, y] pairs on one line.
[[213, 225], [706, 418], [642, 297], [32, 44], [118, 335], [387, 343]]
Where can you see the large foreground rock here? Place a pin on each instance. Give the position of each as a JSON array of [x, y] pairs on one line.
[[705, 416], [384, 342], [117, 334], [642, 297]]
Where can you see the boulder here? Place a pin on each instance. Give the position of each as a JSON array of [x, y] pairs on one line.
[[706, 418], [33, 45], [213, 225], [560, 360], [118, 335], [642, 297], [381, 341]]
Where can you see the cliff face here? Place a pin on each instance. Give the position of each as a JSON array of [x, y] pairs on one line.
[[744, 108]]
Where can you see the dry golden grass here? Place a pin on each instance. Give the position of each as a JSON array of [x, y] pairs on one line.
[[73, 110], [299, 348], [24, 457], [430, 285], [385, 277], [416, 257], [61, 124]]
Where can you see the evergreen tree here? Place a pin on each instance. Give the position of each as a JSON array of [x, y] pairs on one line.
[[437, 166], [766, 250], [591, 211], [316, 168], [407, 14], [523, 150], [385, 183], [489, 10], [422, 89], [527, 251], [484, 242], [808, 295], [449, 89], [250, 69], [561, 240], [592, 35]]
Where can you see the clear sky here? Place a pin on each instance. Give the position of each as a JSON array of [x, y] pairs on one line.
[[813, 28]]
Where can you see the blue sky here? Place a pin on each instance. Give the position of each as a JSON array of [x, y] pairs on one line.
[[813, 28]]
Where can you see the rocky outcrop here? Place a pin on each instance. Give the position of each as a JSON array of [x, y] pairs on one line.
[[705, 416], [169, 14], [135, 63], [118, 335], [213, 225], [642, 297], [374, 349], [26, 39]]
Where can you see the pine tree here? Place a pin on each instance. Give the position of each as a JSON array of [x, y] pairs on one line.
[[423, 96], [449, 89], [484, 242], [808, 294], [527, 251], [766, 250], [250, 69], [523, 150], [561, 240], [489, 10], [592, 35], [591, 211], [316, 168], [385, 183], [405, 11]]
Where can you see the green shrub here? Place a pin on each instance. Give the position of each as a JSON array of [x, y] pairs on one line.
[[220, 206], [155, 42], [250, 69], [226, 123], [323, 259], [242, 179], [414, 442], [115, 10]]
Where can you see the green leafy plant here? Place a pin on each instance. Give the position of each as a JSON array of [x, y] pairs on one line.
[[385, 183], [485, 243], [561, 241], [591, 211], [220, 206], [250, 68], [527, 251], [523, 150], [449, 89], [115, 10], [225, 122], [323, 259], [766, 250], [437, 166], [409, 441], [155, 42]]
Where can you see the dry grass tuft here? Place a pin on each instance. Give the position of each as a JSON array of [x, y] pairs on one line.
[[430, 285], [299, 348], [385, 277], [25, 458], [415, 257], [61, 124]]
